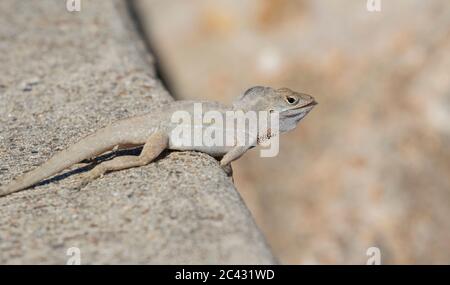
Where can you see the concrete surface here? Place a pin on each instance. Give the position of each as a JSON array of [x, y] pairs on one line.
[[64, 75]]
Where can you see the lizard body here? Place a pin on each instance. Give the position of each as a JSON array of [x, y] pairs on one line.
[[152, 131]]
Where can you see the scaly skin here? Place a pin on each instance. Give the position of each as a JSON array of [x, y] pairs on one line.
[[152, 131]]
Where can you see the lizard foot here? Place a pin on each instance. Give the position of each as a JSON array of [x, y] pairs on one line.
[[80, 185], [228, 170], [87, 178]]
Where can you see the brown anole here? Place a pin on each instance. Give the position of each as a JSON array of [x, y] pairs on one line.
[[153, 132]]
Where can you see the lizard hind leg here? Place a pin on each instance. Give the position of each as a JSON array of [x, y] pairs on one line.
[[155, 144]]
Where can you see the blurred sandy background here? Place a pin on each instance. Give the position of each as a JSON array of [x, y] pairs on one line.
[[370, 165]]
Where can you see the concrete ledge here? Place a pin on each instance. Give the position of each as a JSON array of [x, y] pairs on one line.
[[64, 75]]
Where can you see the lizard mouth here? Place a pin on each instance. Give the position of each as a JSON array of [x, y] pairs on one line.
[[295, 112], [310, 104]]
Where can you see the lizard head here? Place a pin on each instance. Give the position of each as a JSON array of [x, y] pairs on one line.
[[291, 106]]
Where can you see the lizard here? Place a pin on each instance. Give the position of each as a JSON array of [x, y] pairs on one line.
[[152, 131]]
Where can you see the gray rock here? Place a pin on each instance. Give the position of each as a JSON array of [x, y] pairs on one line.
[[64, 75]]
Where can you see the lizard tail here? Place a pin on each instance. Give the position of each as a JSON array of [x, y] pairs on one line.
[[82, 150]]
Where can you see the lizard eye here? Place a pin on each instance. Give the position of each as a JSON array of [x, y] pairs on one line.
[[291, 100]]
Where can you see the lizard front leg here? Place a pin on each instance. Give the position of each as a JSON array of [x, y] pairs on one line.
[[155, 144], [230, 156]]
